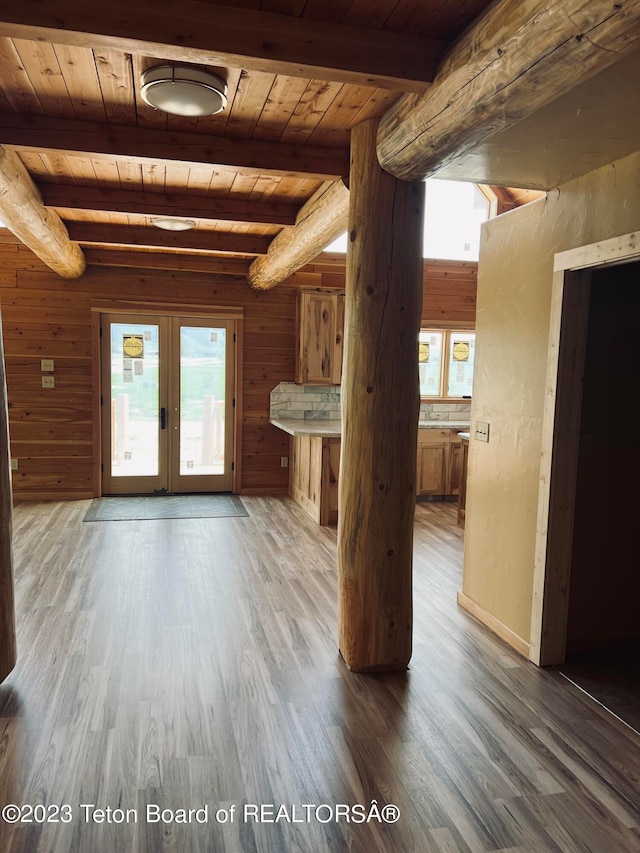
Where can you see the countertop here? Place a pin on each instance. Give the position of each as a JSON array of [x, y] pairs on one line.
[[333, 428], [308, 426]]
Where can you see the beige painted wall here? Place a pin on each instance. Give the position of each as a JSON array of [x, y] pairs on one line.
[[513, 304]]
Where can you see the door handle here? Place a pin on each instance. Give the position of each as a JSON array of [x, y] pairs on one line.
[[163, 418]]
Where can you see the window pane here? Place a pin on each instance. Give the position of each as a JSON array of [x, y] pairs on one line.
[[454, 212], [462, 346], [429, 363], [202, 398], [134, 400]]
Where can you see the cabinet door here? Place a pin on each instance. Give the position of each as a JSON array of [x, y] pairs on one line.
[[320, 333], [432, 468], [455, 467]]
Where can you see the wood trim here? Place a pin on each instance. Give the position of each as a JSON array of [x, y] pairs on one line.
[[560, 439], [96, 383], [7, 607], [239, 397], [236, 37], [84, 495], [493, 624], [138, 202], [106, 234], [558, 466], [68, 137], [227, 312], [618, 249], [207, 264]]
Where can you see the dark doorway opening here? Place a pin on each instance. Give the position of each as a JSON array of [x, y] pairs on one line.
[[603, 627]]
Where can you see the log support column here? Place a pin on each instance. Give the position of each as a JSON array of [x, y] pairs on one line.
[[7, 618], [380, 407]]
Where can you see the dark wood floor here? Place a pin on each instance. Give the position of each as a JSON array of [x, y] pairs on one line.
[[184, 663]]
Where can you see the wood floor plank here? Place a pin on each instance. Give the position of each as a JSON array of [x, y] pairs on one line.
[[184, 663]]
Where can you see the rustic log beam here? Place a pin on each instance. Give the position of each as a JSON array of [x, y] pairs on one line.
[[42, 230], [221, 35], [70, 199], [237, 267], [518, 57], [380, 405], [320, 221], [42, 134], [7, 612], [104, 234]]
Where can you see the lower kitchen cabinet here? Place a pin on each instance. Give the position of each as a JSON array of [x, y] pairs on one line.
[[433, 448], [313, 476], [315, 464], [439, 463]]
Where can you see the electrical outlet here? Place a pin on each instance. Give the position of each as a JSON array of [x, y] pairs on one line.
[[46, 364], [48, 382], [481, 431], [284, 461], [14, 464]]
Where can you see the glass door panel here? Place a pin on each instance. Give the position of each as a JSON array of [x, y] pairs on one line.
[[202, 399], [202, 437], [134, 406]]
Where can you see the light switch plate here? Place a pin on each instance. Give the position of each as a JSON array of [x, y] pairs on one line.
[[46, 364], [481, 431], [14, 464], [48, 382]]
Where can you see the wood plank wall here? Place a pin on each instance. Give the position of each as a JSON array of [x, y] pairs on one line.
[[47, 317]]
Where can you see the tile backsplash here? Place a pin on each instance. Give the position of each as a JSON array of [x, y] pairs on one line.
[[445, 411], [314, 402], [289, 400]]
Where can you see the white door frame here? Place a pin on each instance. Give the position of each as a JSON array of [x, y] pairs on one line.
[[560, 438]]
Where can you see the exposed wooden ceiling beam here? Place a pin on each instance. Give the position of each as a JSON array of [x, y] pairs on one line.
[[70, 198], [92, 139], [42, 230], [320, 221], [237, 267], [103, 234], [216, 35], [518, 57]]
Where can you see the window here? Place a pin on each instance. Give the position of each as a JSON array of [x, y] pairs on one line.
[[454, 212], [445, 363]]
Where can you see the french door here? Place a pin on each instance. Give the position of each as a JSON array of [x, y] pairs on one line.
[[167, 404]]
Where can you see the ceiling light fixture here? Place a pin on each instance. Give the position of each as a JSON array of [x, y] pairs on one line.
[[172, 223], [183, 91]]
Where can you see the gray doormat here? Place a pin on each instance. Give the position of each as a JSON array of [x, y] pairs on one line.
[[169, 506]]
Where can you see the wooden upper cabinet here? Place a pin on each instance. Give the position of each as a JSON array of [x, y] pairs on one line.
[[320, 335]]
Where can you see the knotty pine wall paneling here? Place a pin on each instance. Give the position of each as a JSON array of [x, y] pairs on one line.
[[44, 316]]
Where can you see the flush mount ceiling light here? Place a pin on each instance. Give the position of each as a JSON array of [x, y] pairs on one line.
[[172, 223], [183, 91]]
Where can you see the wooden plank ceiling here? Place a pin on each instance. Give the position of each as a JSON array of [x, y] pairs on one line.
[[106, 163]]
